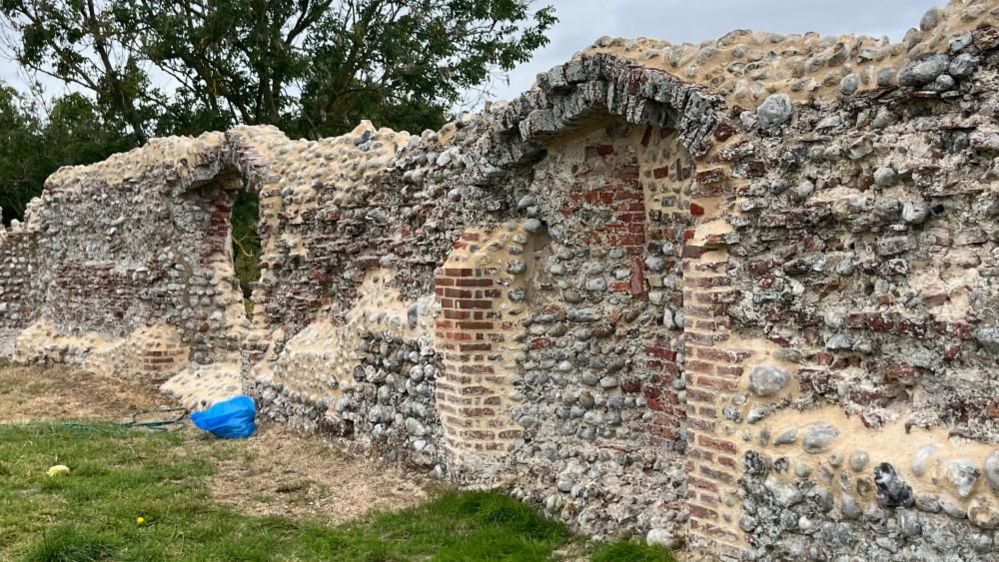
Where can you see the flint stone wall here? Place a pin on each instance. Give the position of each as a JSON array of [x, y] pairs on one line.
[[738, 297]]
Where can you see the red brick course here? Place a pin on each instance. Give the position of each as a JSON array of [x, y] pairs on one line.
[[471, 389]]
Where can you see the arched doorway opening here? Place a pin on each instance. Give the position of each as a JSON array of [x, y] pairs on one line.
[[246, 245]]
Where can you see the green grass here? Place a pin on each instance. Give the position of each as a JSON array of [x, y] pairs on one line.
[[67, 544], [119, 475]]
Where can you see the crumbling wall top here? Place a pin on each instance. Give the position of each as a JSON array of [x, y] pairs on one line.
[[171, 158], [746, 66]]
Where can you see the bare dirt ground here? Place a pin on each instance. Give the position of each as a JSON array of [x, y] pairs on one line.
[[275, 472], [284, 473]]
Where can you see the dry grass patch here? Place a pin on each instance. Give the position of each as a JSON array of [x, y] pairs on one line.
[[280, 472], [32, 394]]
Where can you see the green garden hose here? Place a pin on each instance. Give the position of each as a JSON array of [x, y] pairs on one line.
[[161, 420]]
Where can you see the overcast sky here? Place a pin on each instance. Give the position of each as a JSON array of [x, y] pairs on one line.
[[581, 22]]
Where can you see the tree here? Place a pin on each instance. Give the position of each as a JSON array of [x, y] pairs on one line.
[[312, 67], [18, 151], [87, 46], [315, 67], [35, 141]]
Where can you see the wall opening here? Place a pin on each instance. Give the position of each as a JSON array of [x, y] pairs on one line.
[[246, 245]]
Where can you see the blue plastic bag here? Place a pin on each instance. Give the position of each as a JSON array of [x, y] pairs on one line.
[[231, 419]]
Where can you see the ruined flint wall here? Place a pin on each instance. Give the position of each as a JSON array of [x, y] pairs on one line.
[[736, 297]]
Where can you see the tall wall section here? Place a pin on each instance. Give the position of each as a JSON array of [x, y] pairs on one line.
[[135, 243], [738, 296]]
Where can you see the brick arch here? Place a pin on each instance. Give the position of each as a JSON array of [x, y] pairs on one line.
[[573, 95], [621, 194]]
